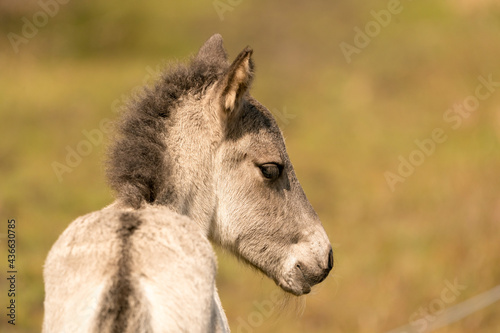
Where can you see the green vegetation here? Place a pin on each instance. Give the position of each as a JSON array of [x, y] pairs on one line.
[[351, 123]]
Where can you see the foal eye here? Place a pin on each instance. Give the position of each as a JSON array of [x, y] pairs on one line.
[[271, 171]]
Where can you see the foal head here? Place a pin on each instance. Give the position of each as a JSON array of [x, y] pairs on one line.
[[201, 145]]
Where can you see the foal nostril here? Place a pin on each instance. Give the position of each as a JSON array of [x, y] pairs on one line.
[[330, 260]]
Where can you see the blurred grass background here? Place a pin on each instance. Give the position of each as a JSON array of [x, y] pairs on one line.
[[351, 122]]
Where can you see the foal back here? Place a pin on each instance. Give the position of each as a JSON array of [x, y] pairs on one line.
[[123, 270]]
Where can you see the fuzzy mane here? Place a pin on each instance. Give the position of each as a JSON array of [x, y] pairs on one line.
[[137, 159]]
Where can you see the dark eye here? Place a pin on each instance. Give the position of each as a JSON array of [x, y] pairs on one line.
[[271, 171]]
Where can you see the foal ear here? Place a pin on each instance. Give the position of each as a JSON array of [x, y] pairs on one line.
[[213, 51], [236, 81]]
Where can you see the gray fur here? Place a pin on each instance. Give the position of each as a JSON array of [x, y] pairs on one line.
[[196, 159], [115, 306], [138, 164]]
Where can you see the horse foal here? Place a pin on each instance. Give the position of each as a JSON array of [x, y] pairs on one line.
[[196, 159]]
